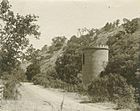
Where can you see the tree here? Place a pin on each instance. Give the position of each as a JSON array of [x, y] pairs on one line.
[[130, 26], [44, 48], [123, 56], [57, 43], [117, 22], [107, 26], [32, 54], [14, 31], [86, 31], [32, 70]]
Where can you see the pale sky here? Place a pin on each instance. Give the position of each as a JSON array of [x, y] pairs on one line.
[[64, 17]]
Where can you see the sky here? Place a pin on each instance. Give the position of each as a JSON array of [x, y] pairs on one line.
[[65, 17]]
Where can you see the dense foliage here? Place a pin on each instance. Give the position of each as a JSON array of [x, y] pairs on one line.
[[130, 26], [110, 26], [123, 56], [13, 35], [14, 32], [112, 87], [32, 70], [57, 43]]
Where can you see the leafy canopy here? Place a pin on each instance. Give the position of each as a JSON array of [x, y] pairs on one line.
[[14, 32]]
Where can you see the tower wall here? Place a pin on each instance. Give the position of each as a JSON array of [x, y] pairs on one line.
[[95, 60]]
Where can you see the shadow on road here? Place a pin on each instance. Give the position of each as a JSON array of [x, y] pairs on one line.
[[85, 102]]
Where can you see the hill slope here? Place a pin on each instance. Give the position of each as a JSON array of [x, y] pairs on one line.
[[48, 60]]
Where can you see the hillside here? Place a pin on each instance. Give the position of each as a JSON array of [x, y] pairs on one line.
[[61, 63], [48, 60]]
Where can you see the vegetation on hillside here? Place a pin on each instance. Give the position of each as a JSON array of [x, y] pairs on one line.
[[62, 64]]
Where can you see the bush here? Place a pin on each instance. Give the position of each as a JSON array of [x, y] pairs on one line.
[[41, 79], [48, 81], [11, 89], [45, 79], [112, 87], [11, 83]]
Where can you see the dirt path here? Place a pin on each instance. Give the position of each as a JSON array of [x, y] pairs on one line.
[[37, 98]]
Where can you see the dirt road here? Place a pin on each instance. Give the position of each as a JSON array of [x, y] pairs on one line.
[[37, 98]]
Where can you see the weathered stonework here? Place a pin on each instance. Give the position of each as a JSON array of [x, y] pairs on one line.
[[95, 60]]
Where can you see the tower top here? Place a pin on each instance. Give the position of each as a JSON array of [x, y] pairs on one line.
[[97, 47]]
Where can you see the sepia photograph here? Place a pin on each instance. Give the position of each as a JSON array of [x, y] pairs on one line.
[[69, 55]]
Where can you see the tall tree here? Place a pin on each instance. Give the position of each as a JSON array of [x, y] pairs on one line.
[[14, 33]]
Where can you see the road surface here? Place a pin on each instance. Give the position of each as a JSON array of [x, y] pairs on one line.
[[37, 98]]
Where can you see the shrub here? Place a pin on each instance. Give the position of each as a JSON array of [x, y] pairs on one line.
[[41, 79], [11, 83], [48, 81], [98, 90], [11, 89], [80, 89], [112, 87]]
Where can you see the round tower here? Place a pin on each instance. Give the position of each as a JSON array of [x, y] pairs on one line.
[[94, 60]]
